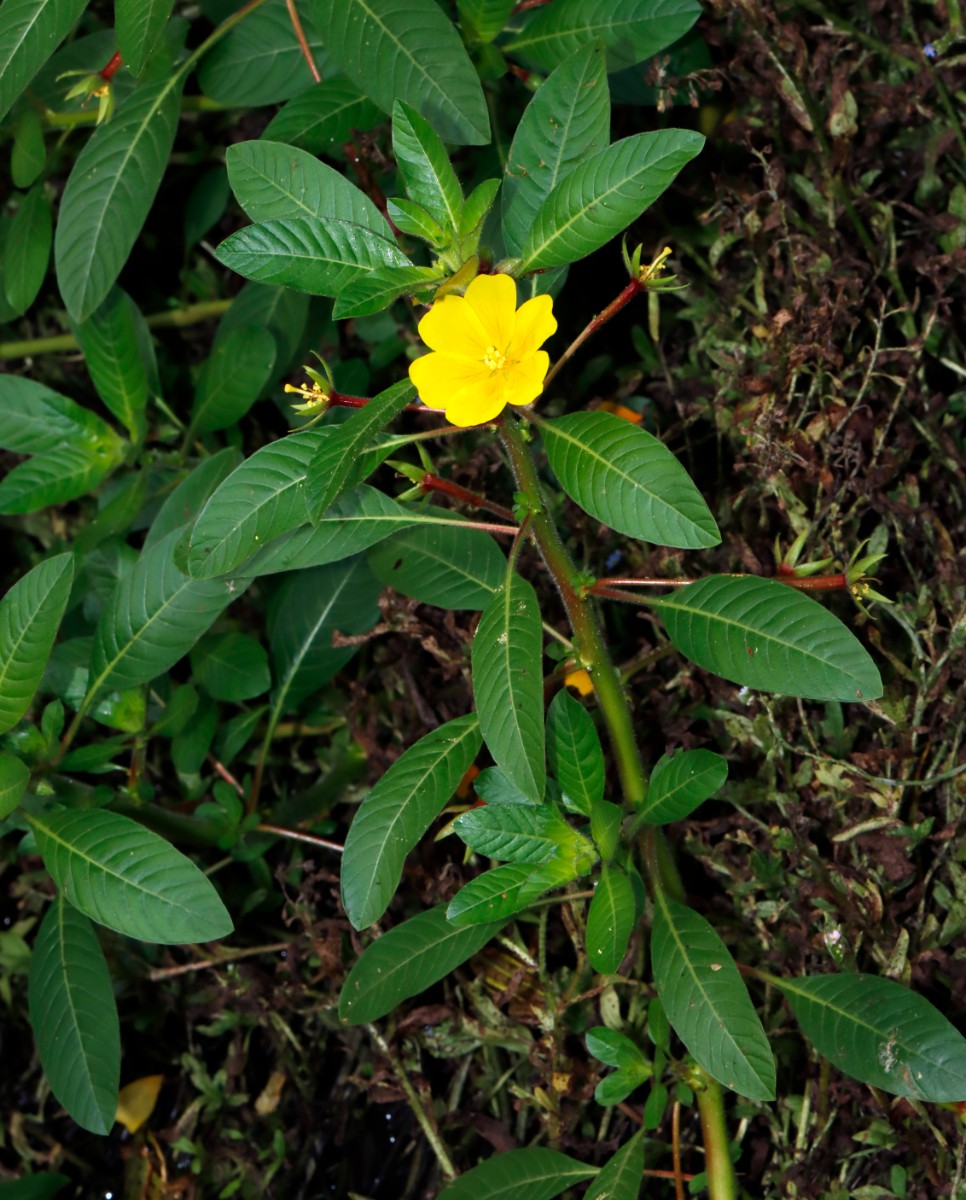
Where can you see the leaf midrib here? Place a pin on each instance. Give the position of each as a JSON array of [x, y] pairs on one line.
[[5, 666], [582, 31], [62, 962]]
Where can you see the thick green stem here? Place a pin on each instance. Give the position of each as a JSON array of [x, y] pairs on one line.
[[720, 1170]]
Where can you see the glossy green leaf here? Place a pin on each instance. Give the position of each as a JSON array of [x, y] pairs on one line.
[[632, 30], [183, 505], [602, 195], [574, 751], [339, 462], [377, 290], [58, 476], [30, 615], [605, 827], [522, 833], [110, 191], [260, 500], [566, 121], [320, 256], [615, 1049], [881, 1033], [450, 566], [610, 920], [260, 60], [154, 618], [231, 667], [44, 1185], [324, 116], [412, 218], [30, 31], [620, 1176], [128, 878], [507, 658], [406, 961], [424, 166], [34, 419], [764, 635], [398, 811], [483, 20], [14, 777], [478, 204], [407, 50], [112, 342], [231, 379], [273, 181], [312, 607], [534, 1172], [626, 478], [139, 25], [29, 155], [680, 782], [707, 1002], [27, 250], [74, 1017], [496, 895]]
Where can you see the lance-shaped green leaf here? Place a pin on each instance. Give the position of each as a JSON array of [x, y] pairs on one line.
[[602, 195], [534, 1172], [139, 25], [406, 961], [339, 463], [112, 340], [764, 635], [271, 181], [323, 117], [565, 122], [110, 191], [183, 505], [74, 1017], [632, 30], [626, 478], [320, 256], [424, 165], [36, 420], [483, 20], [398, 811], [30, 615], [620, 1176], [610, 920], [451, 566], [377, 290], [231, 379], [680, 782], [154, 617], [14, 777], [407, 50], [260, 500], [707, 1003], [496, 895], [617, 1050], [507, 660], [27, 250], [574, 750], [58, 476], [412, 218], [524, 833], [30, 31], [881, 1033], [128, 878]]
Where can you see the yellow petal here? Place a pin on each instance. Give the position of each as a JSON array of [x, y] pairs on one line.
[[452, 327], [535, 323], [437, 377], [494, 300], [476, 403], [581, 681], [136, 1101], [524, 380]]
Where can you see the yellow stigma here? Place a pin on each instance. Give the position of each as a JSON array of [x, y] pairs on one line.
[[493, 359]]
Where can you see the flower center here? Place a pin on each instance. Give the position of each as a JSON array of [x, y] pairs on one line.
[[493, 359]]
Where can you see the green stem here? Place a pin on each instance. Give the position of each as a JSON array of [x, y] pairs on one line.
[[720, 1170]]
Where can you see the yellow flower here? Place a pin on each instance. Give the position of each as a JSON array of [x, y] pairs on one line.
[[486, 351]]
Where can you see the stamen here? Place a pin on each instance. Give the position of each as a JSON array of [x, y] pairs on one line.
[[493, 359]]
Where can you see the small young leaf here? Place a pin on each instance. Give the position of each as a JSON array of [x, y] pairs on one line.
[[125, 877], [424, 165], [30, 615], [27, 251], [112, 341], [412, 218], [574, 751], [507, 660], [764, 635], [398, 811], [478, 204], [323, 117], [231, 379], [615, 1049], [680, 782], [707, 1003], [620, 1176], [626, 478], [534, 1172], [14, 777], [881, 1033], [610, 920], [74, 1017], [605, 827], [450, 566], [405, 961]]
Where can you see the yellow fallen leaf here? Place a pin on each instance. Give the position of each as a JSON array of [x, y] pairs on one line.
[[136, 1101]]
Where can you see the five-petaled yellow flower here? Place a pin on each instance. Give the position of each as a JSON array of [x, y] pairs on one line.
[[486, 351]]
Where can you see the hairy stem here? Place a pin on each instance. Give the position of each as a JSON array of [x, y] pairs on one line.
[[720, 1170]]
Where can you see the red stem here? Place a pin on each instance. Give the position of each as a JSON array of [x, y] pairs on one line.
[[302, 40], [634, 288], [338, 400], [107, 73], [608, 586], [434, 483]]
